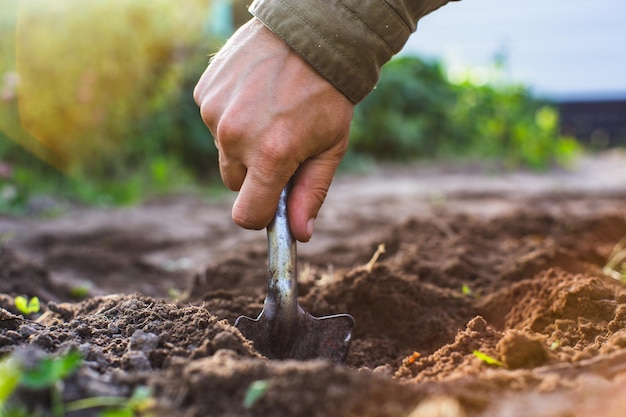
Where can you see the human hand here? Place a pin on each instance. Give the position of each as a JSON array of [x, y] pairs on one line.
[[273, 117]]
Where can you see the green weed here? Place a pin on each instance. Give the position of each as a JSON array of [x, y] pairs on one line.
[[81, 291], [139, 403], [49, 373], [255, 391], [487, 359], [26, 306], [51, 370], [466, 290], [10, 375]]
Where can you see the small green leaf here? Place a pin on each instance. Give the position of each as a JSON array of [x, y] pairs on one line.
[[140, 402], [487, 359], [255, 391], [33, 305], [41, 376], [141, 399], [466, 290], [51, 370], [119, 412], [22, 304], [10, 374], [81, 291], [27, 307], [68, 363]]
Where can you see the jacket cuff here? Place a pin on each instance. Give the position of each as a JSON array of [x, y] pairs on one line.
[[347, 42]]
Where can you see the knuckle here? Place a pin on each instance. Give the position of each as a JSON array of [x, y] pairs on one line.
[[207, 112], [228, 132], [265, 180], [278, 152]]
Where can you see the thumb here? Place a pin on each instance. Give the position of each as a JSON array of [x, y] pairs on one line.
[[309, 190]]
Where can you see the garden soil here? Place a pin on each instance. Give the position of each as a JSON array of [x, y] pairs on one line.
[[489, 299]]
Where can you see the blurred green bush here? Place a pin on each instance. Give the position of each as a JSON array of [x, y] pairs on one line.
[[96, 106], [100, 95], [416, 111]]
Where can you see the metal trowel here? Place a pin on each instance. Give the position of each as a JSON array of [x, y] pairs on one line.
[[284, 330]]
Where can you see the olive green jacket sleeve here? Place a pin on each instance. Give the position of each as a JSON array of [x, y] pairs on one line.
[[346, 41]]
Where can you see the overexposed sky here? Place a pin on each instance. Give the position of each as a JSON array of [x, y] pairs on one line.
[[558, 47]]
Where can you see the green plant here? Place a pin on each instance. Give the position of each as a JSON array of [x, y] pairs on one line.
[[10, 375], [81, 291], [139, 403], [49, 373], [418, 111], [255, 391], [616, 264], [406, 116], [114, 123], [26, 306], [466, 290], [487, 359]]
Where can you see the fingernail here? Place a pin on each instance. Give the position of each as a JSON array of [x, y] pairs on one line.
[[310, 226]]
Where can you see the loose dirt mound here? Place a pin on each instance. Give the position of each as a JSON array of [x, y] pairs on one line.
[[526, 289]]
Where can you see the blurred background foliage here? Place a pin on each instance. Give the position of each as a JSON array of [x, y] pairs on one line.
[[96, 106], [420, 110]]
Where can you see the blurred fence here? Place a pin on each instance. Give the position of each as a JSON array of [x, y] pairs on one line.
[[596, 123]]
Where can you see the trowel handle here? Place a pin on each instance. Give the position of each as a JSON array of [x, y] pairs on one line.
[[283, 281]]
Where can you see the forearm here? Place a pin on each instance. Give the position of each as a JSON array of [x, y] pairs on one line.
[[346, 41]]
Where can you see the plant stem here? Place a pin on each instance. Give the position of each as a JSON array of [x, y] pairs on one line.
[[94, 402], [56, 392]]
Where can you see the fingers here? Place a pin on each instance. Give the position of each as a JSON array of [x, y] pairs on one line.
[[232, 172], [232, 169], [258, 197], [310, 187], [256, 203]]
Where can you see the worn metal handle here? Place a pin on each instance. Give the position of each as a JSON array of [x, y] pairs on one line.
[[282, 292]]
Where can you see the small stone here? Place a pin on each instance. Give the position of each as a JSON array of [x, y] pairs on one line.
[[42, 340], [143, 341], [113, 328], [439, 407], [137, 361], [385, 369], [83, 330], [477, 324], [27, 330]]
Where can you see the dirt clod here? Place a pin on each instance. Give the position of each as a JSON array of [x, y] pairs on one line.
[[519, 349]]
